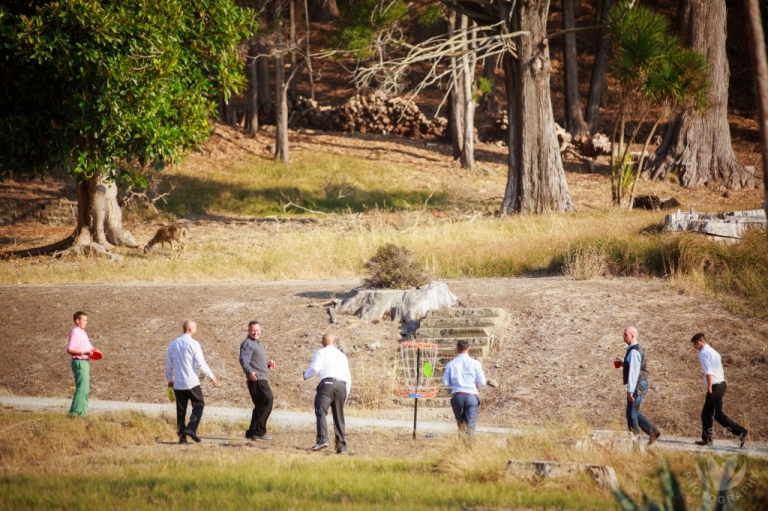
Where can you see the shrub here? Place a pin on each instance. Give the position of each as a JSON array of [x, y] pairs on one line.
[[393, 267]]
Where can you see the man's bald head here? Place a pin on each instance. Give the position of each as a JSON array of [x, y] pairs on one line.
[[329, 340], [630, 334], [190, 327]]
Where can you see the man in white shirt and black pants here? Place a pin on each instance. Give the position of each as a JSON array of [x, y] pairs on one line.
[[635, 377], [184, 358], [714, 378], [335, 381], [464, 375]]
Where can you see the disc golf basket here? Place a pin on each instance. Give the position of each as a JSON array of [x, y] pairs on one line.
[[417, 365]]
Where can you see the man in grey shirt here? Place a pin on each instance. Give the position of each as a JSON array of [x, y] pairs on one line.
[[253, 360]]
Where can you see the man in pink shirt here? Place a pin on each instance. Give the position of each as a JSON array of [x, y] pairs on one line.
[[80, 349]]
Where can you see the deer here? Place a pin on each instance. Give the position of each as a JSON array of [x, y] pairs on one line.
[[169, 233]]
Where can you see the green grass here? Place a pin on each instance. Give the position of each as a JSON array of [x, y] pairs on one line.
[[45, 463], [320, 182]]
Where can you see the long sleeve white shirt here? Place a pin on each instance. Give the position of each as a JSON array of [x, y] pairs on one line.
[[634, 369], [184, 359], [464, 374], [711, 364], [329, 362]]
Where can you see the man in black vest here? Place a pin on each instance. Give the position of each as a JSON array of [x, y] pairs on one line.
[[253, 360], [636, 380]]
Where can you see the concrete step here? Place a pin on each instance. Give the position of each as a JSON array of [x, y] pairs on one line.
[[460, 332], [491, 312], [439, 322], [451, 341]]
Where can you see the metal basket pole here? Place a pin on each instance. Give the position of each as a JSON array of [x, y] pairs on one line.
[[416, 392]]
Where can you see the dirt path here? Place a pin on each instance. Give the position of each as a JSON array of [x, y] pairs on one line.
[[553, 364], [291, 421]]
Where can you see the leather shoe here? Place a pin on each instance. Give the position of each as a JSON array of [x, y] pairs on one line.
[[703, 442], [743, 439], [318, 447], [183, 440], [191, 434], [654, 436]]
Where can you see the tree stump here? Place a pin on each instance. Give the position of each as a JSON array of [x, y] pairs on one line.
[[398, 304]]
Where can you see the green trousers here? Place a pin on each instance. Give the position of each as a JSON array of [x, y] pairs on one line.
[[82, 372]]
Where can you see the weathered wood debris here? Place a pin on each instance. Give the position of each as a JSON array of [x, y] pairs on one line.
[[729, 227], [368, 113]]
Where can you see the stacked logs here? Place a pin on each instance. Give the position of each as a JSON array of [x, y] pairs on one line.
[[372, 113]]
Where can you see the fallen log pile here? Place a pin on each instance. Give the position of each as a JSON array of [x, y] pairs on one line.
[[371, 113]]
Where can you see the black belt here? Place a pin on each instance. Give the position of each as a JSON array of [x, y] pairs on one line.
[[333, 379]]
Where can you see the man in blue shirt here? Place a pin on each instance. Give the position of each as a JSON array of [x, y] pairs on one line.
[[635, 377], [464, 375]]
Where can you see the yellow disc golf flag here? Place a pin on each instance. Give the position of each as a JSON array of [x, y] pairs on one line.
[[427, 370]]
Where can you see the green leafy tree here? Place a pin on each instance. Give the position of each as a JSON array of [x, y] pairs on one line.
[[656, 72], [109, 89]]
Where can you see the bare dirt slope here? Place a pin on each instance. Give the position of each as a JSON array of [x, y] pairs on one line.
[[554, 363]]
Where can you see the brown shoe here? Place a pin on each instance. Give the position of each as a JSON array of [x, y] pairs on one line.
[[654, 436]]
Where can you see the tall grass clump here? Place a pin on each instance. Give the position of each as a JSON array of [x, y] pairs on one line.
[[393, 267], [739, 270]]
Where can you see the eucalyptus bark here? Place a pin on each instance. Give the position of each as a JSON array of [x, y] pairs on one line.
[[697, 147], [536, 178], [597, 82], [574, 119]]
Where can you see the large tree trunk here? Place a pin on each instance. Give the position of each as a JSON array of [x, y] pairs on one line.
[[323, 10], [99, 217], [698, 146], [281, 114], [597, 82], [536, 179], [574, 119], [760, 74], [252, 94]]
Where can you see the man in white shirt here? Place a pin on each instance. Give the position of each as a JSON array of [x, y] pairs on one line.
[[465, 376], [184, 359], [635, 377], [714, 378], [335, 381]]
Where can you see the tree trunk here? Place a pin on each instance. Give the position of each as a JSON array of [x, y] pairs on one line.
[[597, 82], [574, 119], [455, 98], [488, 104], [281, 114], [292, 8], [99, 217], [468, 64], [262, 69], [252, 94], [759, 62], [536, 179], [698, 146], [309, 52], [323, 10]]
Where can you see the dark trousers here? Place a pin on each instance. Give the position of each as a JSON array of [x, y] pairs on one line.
[[261, 395], [331, 393], [635, 420], [713, 407], [184, 397], [465, 409]]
